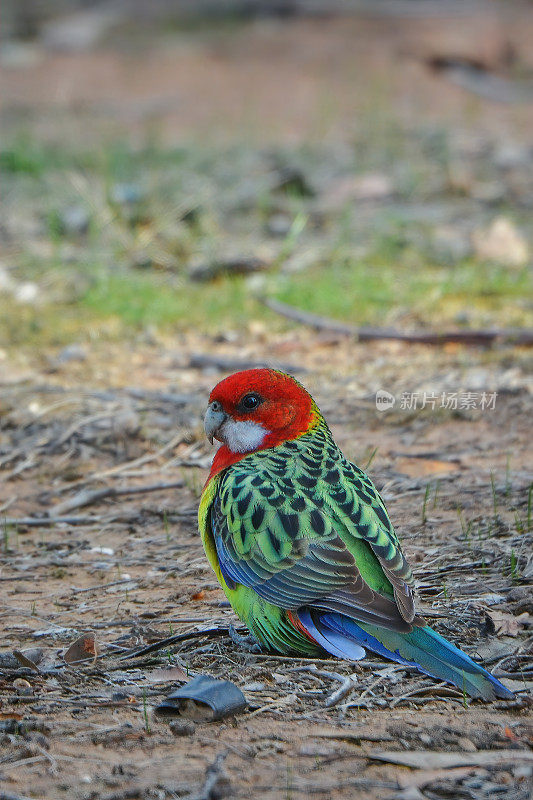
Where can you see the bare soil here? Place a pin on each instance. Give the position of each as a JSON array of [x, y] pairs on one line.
[[278, 81], [131, 570]]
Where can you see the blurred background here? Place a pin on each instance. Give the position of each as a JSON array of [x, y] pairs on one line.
[[167, 166]]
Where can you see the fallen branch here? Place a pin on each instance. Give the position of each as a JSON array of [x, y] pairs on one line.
[[485, 337], [430, 759], [87, 498], [306, 318], [210, 633]]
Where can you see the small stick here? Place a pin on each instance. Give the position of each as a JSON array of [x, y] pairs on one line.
[[81, 424], [386, 673], [347, 683], [8, 503], [273, 705], [35, 522], [339, 694], [73, 589], [442, 685], [137, 462], [333, 676], [216, 782], [477, 79], [87, 498], [178, 637]]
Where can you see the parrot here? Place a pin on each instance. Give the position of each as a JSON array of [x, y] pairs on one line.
[[301, 543]]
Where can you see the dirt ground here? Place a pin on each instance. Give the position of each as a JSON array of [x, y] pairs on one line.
[[103, 457], [131, 570], [272, 81]]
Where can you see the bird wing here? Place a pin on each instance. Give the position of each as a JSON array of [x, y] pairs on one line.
[[302, 526]]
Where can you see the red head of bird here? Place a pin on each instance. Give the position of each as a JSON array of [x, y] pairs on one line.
[[256, 409]]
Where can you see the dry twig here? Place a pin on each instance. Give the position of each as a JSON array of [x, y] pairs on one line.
[[87, 498], [486, 337]]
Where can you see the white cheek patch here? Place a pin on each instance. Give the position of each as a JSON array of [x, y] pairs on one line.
[[243, 436]]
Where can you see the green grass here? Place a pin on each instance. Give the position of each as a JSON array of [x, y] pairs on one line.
[[139, 300], [394, 282], [363, 292], [360, 293], [374, 289]]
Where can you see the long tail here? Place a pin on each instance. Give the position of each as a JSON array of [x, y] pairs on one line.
[[422, 648]]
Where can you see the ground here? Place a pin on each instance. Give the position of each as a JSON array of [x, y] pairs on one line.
[[132, 571], [370, 205]]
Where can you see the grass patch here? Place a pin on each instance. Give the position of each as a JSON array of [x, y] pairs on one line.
[[129, 268], [374, 289], [363, 292], [140, 300]]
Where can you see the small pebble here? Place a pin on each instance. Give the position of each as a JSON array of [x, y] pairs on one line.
[[26, 292], [182, 727], [126, 194], [72, 352], [279, 225], [74, 221], [466, 744], [22, 686], [512, 156]]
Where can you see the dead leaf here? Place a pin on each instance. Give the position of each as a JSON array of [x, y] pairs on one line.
[[168, 675], [198, 595], [83, 649], [505, 624], [509, 734], [10, 660], [21, 684], [25, 661]]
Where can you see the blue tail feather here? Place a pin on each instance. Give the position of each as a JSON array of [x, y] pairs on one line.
[[422, 648], [334, 641]]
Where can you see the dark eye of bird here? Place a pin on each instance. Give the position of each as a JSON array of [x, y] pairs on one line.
[[250, 401]]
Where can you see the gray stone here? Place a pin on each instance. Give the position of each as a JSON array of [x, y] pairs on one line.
[[75, 221]]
